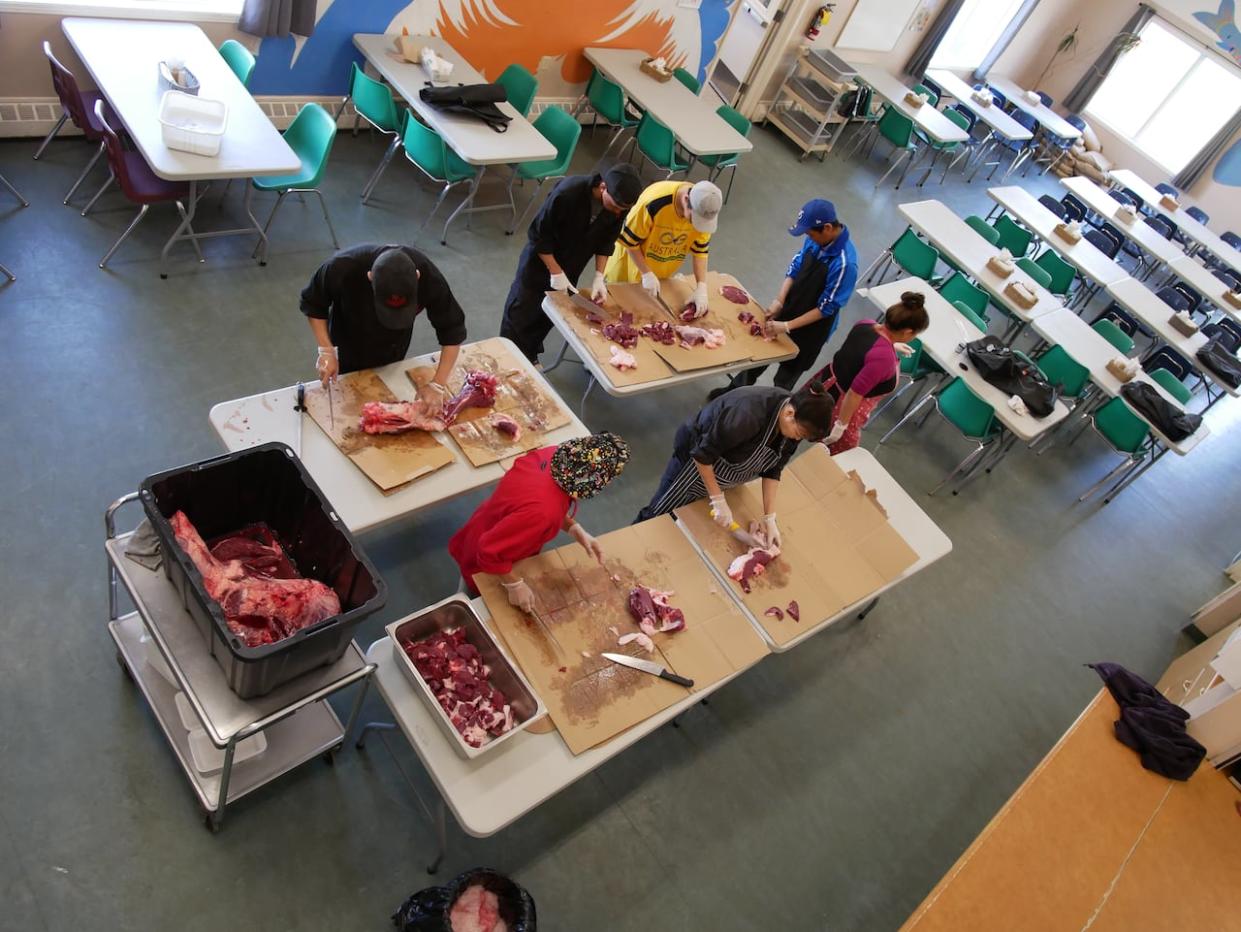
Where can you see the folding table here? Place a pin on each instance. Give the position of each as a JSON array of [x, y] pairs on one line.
[[1047, 118], [1000, 125], [1140, 233], [1189, 270]]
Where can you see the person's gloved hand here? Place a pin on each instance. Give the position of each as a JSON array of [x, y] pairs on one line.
[[650, 283], [838, 431], [520, 596], [433, 395], [774, 328], [771, 531], [721, 514], [699, 300], [903, 349], [599, 289], [588, 541], [560, 281], [327, 364]]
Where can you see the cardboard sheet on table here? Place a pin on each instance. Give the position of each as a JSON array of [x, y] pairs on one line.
[[389, 460], [723, 313], [650, 367], [592, 699]]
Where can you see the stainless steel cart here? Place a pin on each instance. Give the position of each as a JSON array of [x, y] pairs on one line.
[[295, 718], [805, 104]]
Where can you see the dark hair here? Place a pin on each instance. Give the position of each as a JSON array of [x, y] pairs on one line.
[[813, 408], [909, 314]]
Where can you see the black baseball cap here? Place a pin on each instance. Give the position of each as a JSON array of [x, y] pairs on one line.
[[394, 279], [624, 184]]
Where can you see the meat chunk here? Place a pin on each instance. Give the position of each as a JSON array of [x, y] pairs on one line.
[[505, 425], [643, 639], [775, 612], [661, 332], [477, 909], [652, 611], [479, 391], [258, 609], [735, 294], [381, 417], [622, 331], [700, 336], [750, 564], [691, 312], [454, 670], [745, 317], [621, 359], [794, 610]]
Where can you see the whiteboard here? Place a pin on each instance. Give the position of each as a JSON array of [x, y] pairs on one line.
[[876, 25]]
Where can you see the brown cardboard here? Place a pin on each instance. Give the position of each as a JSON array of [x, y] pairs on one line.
[[389, 460], [1021, 294], [1000, 267], [1182, 326], [1119, 371], [722, 314], [1233, 298], [651, 368], [592, 699], [1067, 233]]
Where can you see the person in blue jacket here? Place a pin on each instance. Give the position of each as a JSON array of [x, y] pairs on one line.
[[818, 283]]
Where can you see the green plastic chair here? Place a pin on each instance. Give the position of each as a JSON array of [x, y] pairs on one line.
[[520, 86], [1113, 334], [1062, 274], [310, 135], [717, 163], [1172, 385], [1040, 275], [687, 79], [957, 150], [425, 149], [969, 314], [1125, 433], [606, 101], [658, 146], [909, 253], [240, 59], [563, 132], [983, 229], [897, 129], [913, 369], [958, 288], [969, 414], [372, 102], [1013, 237], [932, 97], [1059, 368]]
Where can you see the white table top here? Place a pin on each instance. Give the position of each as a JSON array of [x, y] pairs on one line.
[[1091, 350], [1196, 231], [247, 422], [602, 371], [950, 330], [1047, 118], [1199, 277], [496, 789], [1082, 255], [473, 140], [691, 118], [1147, 307], [994, 116], [926, 117], [957, 240], [1138, 232], [123, 57]]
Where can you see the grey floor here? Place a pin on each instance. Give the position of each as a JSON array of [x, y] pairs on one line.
[[828, 788]]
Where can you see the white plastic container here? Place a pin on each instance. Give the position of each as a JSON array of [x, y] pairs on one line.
[[192, 124]]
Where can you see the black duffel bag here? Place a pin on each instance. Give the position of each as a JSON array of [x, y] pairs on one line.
[[1013, 374], [476, 100], [1168, 419], [1215, 356]]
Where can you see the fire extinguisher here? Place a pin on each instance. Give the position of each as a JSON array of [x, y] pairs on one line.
[[819, 20]]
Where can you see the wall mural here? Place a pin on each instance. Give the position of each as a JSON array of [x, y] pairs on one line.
[[546, 36], [1223, 22]]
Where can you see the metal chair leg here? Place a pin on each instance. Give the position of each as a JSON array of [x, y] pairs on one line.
[[82, 177], [50, 136], [17, 194], [868, 274], [1127, 463], [369, 188], [1128, 479], [129, 229], [908, 416], [263, 242], [464, 205], [959, 467], [103, 187], [4, 269], [326, 219], [440, 200], [518, 221]]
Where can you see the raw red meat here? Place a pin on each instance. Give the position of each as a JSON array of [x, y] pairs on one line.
[[477, 909], [691, 312], [622, 331], [380, 417], [479, 391], [775, 612], [506, 425], [258, 550], [745, 317], [750, 564], [455, 671], [661, 332], [594, 317], [735, 294], [643, 639], [700, 336], [794, 610], [258, 609], [650, 609], [621, 359]]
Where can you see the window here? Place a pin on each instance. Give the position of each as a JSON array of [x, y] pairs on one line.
[[974, 31], [1166, 96]]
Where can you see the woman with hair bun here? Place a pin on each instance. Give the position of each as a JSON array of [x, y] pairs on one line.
[[866, 366]]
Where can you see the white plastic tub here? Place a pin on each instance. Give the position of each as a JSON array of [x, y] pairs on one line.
[[192, 124]]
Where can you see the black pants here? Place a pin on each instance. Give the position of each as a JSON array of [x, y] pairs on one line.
[[787, 373], [524, 321]]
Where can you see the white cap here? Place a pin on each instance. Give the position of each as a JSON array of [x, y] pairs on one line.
[[705, 203]]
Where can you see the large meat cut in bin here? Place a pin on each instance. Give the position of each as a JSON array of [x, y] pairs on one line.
[[274, 580]]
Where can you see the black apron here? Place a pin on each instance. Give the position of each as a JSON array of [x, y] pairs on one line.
[[803, 295]]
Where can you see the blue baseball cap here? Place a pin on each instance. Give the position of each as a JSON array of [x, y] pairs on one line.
[[813, 214]]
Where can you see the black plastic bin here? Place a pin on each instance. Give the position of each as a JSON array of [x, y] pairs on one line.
[[269, 484]]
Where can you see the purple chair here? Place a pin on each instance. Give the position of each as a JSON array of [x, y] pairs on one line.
[[76, 105], [138, 183]]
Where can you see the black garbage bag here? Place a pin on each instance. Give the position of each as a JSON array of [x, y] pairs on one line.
[[428, 910], [475, 100]]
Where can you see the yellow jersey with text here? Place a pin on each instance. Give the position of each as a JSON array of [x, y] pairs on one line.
[[665, 237]]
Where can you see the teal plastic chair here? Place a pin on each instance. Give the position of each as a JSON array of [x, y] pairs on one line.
[[657, 145], [520, 86], [240, 59], [687, 79], [372, 101], [1040, 275], [897, 129], [1129, 436], [1172, 385], [1062, 274], [958, 288], [425, 149], [914, 368], [606, 101], [310, 136], [910, 254], [957, 150], [1062, 370], [1114, 335], [563, 132], [717, 163], [932, 97], [1013, 237], [983, 229], [969, 314]]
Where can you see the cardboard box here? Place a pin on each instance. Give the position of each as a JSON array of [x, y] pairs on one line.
[[1068, 233], [1220, 612], [1120, 369], [1001, 266], [1182, 326]]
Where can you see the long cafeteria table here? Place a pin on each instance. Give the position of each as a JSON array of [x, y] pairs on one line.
[[1001, 127], [1047, 118], [1189, 270], [1140, 233]]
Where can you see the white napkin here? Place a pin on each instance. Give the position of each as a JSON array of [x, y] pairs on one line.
[[1018, 405]]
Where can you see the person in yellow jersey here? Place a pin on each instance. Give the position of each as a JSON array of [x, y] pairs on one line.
[[671, 220]]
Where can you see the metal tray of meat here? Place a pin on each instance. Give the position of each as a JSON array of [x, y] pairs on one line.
[[504, 675]]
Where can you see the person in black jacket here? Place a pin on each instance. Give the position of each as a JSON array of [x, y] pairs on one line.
[[361, 305], [581, 218]]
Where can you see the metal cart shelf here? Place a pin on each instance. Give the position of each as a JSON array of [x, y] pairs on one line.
[[805, 105], [295, 718]]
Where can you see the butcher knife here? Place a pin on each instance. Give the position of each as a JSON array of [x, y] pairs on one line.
[[300, 408], [331, 408], [659, 299], [648, 666]]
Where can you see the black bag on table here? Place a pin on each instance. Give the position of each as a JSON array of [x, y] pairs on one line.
[[1013, 374], [1215, 356], [853, 104], [429, 910], [476, 100], [1170, 420]]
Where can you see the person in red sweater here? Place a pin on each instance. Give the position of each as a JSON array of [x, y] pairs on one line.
[[535, 501]]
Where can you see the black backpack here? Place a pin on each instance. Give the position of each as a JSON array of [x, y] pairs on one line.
[[476, 100], [1168, 419], [1215, 356], [853, 104], [1013, 374]]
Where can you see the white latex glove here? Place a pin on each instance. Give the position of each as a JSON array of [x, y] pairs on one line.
[[699, 300], [520, 596], [771, 531], [588, 541], [598, 289], [433, 395], [650, 283], [327, 364], [776, 327], [560, 281], [721, 514], [903, 349], [838, 431]]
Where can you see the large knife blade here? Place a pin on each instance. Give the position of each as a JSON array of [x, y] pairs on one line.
[[648, 666], [331, 407], [659, 299]]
